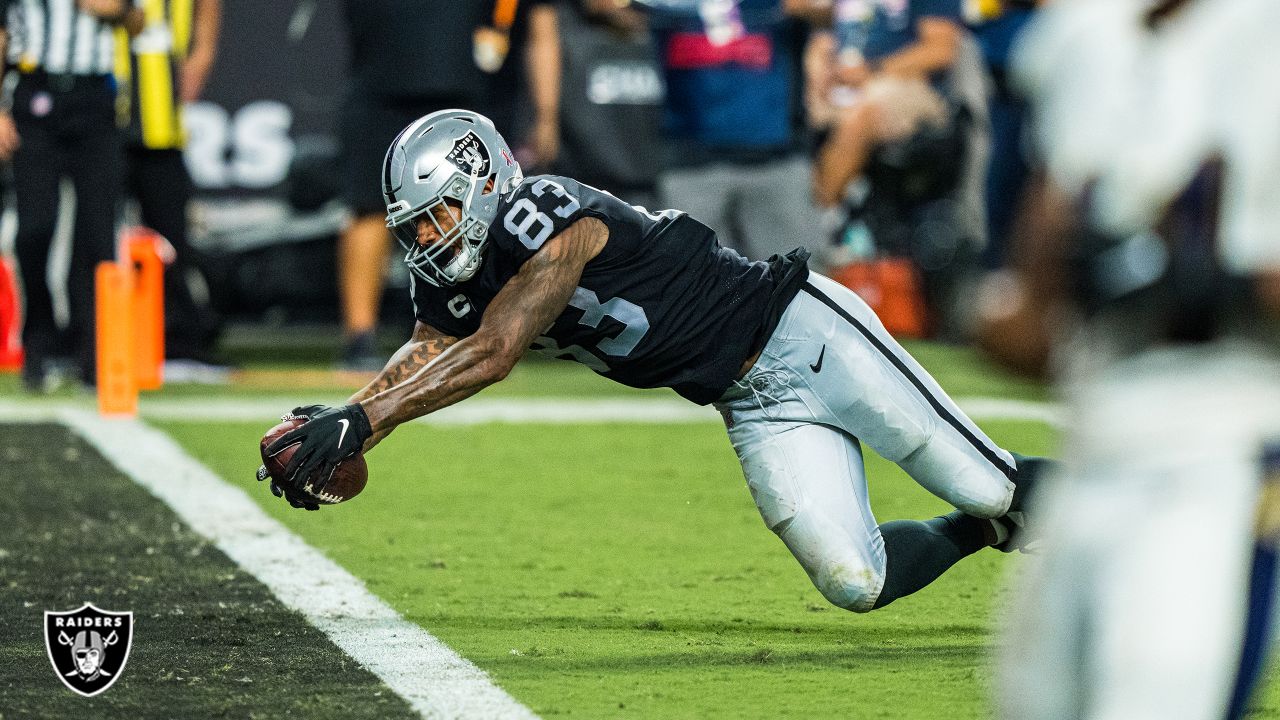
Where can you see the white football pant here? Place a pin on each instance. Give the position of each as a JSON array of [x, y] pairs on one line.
[[829, 378], [1138, 609]]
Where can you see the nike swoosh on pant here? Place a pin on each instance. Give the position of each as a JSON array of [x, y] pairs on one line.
[[817, 367]]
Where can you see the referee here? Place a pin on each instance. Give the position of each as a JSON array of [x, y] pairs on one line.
[[61, 122], [159, 70]]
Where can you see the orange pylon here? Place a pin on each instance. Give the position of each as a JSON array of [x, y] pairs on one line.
[[141, 248], [117, 373]]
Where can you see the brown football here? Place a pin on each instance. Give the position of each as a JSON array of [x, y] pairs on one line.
[[348, 480]]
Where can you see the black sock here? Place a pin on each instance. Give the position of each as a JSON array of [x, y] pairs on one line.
[[1030, 468], [916, 552]]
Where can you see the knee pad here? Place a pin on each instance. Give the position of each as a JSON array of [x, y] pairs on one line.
[[850, 586], [849, 574]]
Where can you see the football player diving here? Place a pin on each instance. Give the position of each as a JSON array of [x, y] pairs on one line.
[[799, 367]]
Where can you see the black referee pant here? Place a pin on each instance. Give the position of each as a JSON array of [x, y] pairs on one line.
[[159, 181], [66, 128]]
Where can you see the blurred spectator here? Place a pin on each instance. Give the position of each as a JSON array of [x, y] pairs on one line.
[[410, 58], [524, 95], [61, 122], [891, 57], [612, 99], [1147, 272], [734, 120], [901, 84], [997, 26], [169, 63]]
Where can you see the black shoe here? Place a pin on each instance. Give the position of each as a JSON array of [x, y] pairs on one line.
[[42, 374], [361, 354], [35, 373], [1010, 532]]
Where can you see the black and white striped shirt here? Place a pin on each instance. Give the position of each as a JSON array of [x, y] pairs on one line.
[[58, 38]]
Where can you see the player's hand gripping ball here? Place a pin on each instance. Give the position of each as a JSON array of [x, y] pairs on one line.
[[310, 485]]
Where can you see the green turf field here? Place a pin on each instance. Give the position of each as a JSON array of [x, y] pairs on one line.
[[624, 571], [621, 570]]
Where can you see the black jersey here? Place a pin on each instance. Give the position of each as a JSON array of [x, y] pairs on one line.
[[662, 305]]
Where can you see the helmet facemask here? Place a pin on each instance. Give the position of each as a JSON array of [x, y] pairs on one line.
[[450, 169], [456, 253]]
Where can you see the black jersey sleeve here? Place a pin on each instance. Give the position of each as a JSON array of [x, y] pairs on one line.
[[541, 208]]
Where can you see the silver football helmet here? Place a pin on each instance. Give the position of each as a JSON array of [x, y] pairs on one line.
[[447, 155]]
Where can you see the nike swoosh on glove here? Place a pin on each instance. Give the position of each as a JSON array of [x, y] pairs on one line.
[[329, 436]]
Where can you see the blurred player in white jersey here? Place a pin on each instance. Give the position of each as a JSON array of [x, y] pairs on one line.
[[1146, 278]]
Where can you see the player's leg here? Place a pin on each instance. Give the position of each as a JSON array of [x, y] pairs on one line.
[[1260, 617], [919, 552], [159, 181], [368, 126], [1139, 607], [1045, 634], [96, 169], [877, 392], [809, 484], [1166, 639], [1138, 613], [35, 184]]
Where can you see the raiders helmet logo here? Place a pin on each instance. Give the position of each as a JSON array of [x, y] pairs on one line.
[[88, 647], [470, 155]]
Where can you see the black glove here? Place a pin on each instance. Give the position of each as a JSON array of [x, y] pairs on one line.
[[329, 436], [296, 498], [305, 412]]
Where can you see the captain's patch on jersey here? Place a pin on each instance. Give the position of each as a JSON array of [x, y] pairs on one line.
[[470, 155]]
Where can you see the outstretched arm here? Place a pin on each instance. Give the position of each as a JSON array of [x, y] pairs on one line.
[[425, 345], [524, 308]]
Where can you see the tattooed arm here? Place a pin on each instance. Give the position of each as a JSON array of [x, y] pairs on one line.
[[425, 345], [524, 308]]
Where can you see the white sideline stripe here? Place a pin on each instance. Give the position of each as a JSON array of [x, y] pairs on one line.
[[511, 410], [985, 408], [435, 680]]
